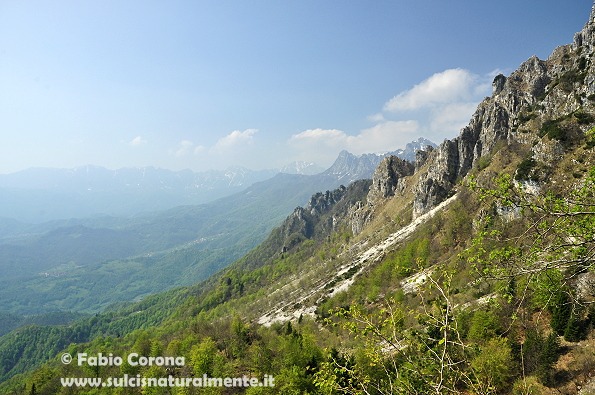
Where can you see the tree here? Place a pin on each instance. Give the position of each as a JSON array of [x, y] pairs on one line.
[[559, 232], [430, 358], [561, 309], [205, 357], [544, 240], [493, 366]]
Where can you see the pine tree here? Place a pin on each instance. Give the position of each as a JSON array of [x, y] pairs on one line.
[[573, 330], [561, 309]]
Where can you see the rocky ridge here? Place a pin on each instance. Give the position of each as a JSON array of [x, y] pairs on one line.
[[538, 92], [519, 113]]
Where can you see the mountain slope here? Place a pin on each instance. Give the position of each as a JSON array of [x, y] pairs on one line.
[[468, 272], [87, 264]]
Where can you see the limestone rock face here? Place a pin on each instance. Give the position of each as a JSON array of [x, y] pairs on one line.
[[537, 92], [586, 37], [385, 181], [321, 202], [421, 157], [388, 181], [325, 213], [299, 222], [498, 83], [359, 215]]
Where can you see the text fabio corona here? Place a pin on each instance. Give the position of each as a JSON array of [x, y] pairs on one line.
[[133, 359]]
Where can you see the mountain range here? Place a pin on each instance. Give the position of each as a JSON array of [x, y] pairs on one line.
[[39, 195]]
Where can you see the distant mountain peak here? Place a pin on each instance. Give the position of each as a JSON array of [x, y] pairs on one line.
[[349, 167], [408, 154], [301, 167]]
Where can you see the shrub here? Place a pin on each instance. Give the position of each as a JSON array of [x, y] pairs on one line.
[[527, 386], [494, 365], [590, 136], [553, 130], [583, 118], [525, 169], [484, 325]]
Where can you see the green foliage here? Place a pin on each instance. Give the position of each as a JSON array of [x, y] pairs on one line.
[[554, 130], [205, 358], [583, 117], [484, 325], [545, 287], [567, 80], [542, 249], [561, 309], [31, 346], [527, 386], [405, 261], [525, 169], [433, 340], [483, 162], [494, 366], [555, 220], [540, 353], [590, 138]]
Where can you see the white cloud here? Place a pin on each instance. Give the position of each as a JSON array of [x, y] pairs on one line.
[[236, 138], [137, 141], [452, 117], [317, 145], [327, 137], [322, 145], [453, 85], [376, 118], [436, 108], [184, 148], [385, 136], [443, 103]]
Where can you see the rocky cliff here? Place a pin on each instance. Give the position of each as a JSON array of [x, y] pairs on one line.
[[324, 213], [543, 106], [558, 92]]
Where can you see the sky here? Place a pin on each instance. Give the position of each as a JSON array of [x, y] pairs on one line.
[[213, 84]]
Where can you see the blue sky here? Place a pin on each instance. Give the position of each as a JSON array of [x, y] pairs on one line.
[[213, 84]]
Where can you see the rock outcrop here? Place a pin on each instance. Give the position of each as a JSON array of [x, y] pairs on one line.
[[322, 202], [538, 91], [324, 214], [387, 178]]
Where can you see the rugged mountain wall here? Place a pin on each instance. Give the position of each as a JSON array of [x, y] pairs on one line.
[[324, 213], [559, 91], [388, 180], [538, 92]]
